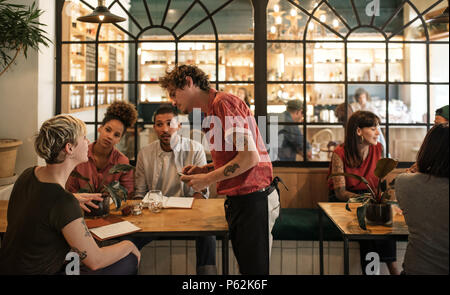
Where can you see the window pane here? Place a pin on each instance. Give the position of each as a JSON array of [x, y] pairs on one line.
[[202, 55], [235, 21], [154, 58], [111, 62], [369, 97], [404, 142], [411, 66], [90, 132], [236, 62], [323, 140], [290, 143], [410, 105], [325, 62], [439, 98], [74, 62], [366, 61], [322, 100], [192, 19], [73, 29], [439, 57], [284, 62], [152, 93], [285, 21], [278, 95]]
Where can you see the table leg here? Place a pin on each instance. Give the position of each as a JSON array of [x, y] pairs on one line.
[[225, 254], [346, 256], [321, 241]]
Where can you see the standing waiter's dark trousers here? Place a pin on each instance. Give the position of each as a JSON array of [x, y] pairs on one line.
[[250, 220]]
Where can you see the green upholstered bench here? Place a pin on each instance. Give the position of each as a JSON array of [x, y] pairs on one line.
[[302, 224]]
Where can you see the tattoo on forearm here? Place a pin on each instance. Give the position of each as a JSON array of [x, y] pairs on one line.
[[86, 230], [81, 254], [230, 169], [337, 167]]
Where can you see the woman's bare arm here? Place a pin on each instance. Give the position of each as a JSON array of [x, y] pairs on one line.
[[337, 166]]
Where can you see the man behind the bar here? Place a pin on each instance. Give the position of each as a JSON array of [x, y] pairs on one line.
[[243, 172]]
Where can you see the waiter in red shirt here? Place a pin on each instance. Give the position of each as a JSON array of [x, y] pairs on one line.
[[241, 166]]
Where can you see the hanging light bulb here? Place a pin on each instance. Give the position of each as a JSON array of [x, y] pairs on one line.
[[278, 20], [323, 18], [276, 8], [335, 23], [101, 14], [273, 29], [293, 12]]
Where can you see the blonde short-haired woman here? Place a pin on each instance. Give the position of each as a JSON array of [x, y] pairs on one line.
[[45, 222]]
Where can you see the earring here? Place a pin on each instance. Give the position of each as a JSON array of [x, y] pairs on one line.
[[362, 139]]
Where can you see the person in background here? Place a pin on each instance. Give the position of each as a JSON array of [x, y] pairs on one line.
[[359, 155], [441, 116], [102, 153], [157, 168], [423, 197], [290, 138], [241, 166], [362, 101], [343, 117], [242, 94], [45, 221]]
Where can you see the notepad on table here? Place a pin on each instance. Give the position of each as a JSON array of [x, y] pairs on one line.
[[177, 202], [110, 227]]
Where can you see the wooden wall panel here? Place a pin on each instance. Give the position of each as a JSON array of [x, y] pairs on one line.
[[307, 186]]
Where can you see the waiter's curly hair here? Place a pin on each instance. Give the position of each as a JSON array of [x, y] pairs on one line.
[[123, 111], [176, 79]]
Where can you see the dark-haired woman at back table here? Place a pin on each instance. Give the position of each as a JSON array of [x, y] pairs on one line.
[[359, 155]]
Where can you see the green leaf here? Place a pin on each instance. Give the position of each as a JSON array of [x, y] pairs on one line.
[[385, 196], [384, 167], [114, 196], [359, 199], [117, 192], [361, 214], [120, 168]]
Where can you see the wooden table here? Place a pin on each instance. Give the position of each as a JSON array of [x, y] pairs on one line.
[[205, 218], [347, 223]]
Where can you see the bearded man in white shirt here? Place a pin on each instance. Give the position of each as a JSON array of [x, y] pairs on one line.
[[157, 168]]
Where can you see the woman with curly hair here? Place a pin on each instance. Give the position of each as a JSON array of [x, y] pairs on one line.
[[102, 153]]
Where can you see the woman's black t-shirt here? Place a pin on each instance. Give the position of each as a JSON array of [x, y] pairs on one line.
[[37, 213]]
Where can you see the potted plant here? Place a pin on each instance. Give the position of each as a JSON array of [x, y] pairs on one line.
[[113, 190], [20, 31], [376, 205]]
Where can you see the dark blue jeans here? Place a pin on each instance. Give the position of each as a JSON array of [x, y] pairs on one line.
[[125, 266], [205, 247]]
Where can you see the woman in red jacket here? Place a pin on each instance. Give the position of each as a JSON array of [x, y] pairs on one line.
[[359, 155], [102, 153]]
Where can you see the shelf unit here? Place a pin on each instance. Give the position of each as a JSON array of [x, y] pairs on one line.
[[156, 58], [78, 63]]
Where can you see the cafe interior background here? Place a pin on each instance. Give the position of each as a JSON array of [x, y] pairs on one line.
[[316, 51]]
